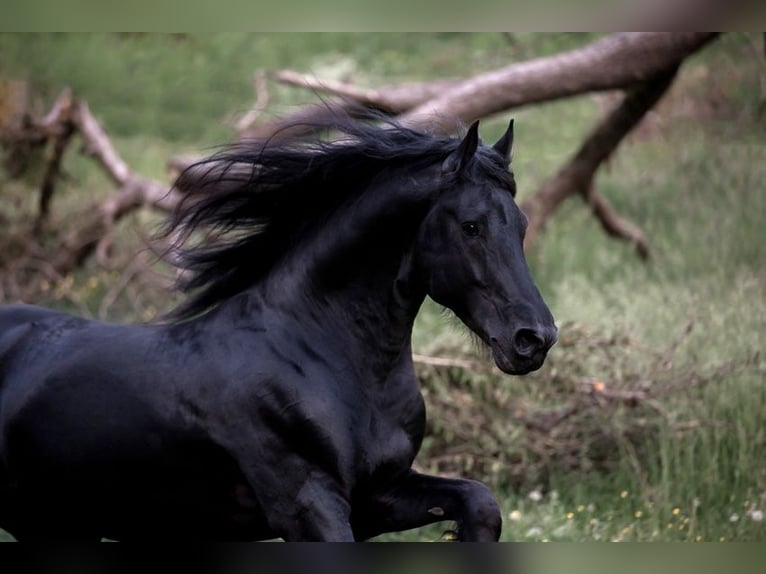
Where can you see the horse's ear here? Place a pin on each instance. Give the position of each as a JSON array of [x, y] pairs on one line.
[[504, 145], [458, 159]]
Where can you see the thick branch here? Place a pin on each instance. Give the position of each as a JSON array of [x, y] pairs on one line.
[[444, 362], [307, 120], [352, 100], [614, 62], [577, 175], [299, 123], [91, 228], [144, 191], [60, 113], [617, 61], [392, 99], [261, 101], [58, 123], [94, 225], [617, 226], [98, 145]]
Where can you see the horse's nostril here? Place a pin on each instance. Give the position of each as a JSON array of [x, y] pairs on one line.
[[526, 342]]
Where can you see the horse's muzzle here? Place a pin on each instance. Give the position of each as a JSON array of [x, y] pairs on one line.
[[525, 351]]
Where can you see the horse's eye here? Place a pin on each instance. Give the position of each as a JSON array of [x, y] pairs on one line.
[[471, 228]]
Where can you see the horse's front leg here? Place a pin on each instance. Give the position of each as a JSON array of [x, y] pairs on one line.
[[418, 499], [300, 502], [319, 513]]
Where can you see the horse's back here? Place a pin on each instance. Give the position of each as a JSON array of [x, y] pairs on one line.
[[14, 315], [65, 376], [16, 321], [29, 337]]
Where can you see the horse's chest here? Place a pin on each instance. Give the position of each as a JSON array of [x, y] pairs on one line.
[[394, 437], [389, 445]]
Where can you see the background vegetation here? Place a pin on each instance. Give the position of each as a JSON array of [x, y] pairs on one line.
[[661, 364]]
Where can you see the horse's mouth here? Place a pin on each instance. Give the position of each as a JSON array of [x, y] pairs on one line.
[[510, 363]]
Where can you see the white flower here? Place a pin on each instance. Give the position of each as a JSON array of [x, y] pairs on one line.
[[756, 515], [734, 517], [535, 496], [515, 515]]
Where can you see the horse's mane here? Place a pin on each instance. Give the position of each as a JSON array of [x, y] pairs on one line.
[[250, 200]]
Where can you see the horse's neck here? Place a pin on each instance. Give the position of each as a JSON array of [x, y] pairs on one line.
[[345, 281]]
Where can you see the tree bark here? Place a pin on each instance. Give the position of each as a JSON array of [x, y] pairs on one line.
[[391, 99], [58, 122], [350, 100], [617, 61]]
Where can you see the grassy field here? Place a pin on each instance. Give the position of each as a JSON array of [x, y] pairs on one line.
[[683, 335]]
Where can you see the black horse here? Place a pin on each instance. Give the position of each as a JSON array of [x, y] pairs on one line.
[[280, 400]]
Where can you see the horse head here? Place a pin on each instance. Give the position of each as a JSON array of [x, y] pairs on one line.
[[469, 255]]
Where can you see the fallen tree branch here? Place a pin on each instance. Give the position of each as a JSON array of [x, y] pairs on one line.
[[54, 122], [95, 224], [134, 190], [98, 145], [545, 422], [351, 100], [617, 226], [577, 175], [299, 123], [614, 62], [443, 362], [261, 101], [58, 124], [391, 99], [92, 227]]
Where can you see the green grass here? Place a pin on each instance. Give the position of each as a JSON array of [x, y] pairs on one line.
[[694, 180]]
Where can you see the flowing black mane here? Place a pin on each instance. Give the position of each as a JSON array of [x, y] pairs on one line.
[[251, 200]]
